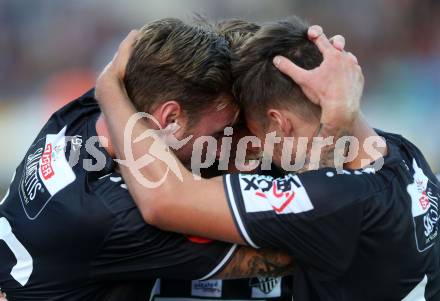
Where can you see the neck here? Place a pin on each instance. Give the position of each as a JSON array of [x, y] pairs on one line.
[[363, 131], [103, 133]]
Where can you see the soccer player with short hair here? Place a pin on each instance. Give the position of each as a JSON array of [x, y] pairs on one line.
[[365, 232]]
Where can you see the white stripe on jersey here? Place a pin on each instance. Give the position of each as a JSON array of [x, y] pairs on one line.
[[418, 293], [105, 176], [221, 264], [237, 214]]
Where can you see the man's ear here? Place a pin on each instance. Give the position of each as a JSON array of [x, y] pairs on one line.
[[280, 122], [170, 112]]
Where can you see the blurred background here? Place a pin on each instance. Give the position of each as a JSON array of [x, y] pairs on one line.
[[52, 50]]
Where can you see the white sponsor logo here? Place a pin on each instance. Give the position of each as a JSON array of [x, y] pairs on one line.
[[206, 288], [417, 191], [60, 173], [47, 171], [282, 195], [30, 183], [424, 208], [265, 287]]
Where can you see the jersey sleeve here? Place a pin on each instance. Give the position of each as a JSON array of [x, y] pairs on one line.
[[136, 250], [315, 216]]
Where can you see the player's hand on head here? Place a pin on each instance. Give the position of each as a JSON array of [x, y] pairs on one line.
[[120, 60], [114, 73], [336, 85], [338, 41]]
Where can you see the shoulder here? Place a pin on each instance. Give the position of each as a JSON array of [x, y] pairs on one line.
[[327, 189], [113, 193], [343, 184]]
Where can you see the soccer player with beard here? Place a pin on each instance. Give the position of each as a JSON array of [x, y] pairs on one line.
[[365, 232], [69, 229]]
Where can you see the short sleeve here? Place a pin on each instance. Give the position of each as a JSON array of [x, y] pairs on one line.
[[315, 216], [136, 250]]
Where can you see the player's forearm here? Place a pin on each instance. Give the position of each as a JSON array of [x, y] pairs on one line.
[[248, 262]]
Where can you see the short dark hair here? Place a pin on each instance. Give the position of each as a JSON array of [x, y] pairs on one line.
[[236, 31], [258, 84], [176, 60]]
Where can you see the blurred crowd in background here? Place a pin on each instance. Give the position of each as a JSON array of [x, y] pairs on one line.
[[52, 50]]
